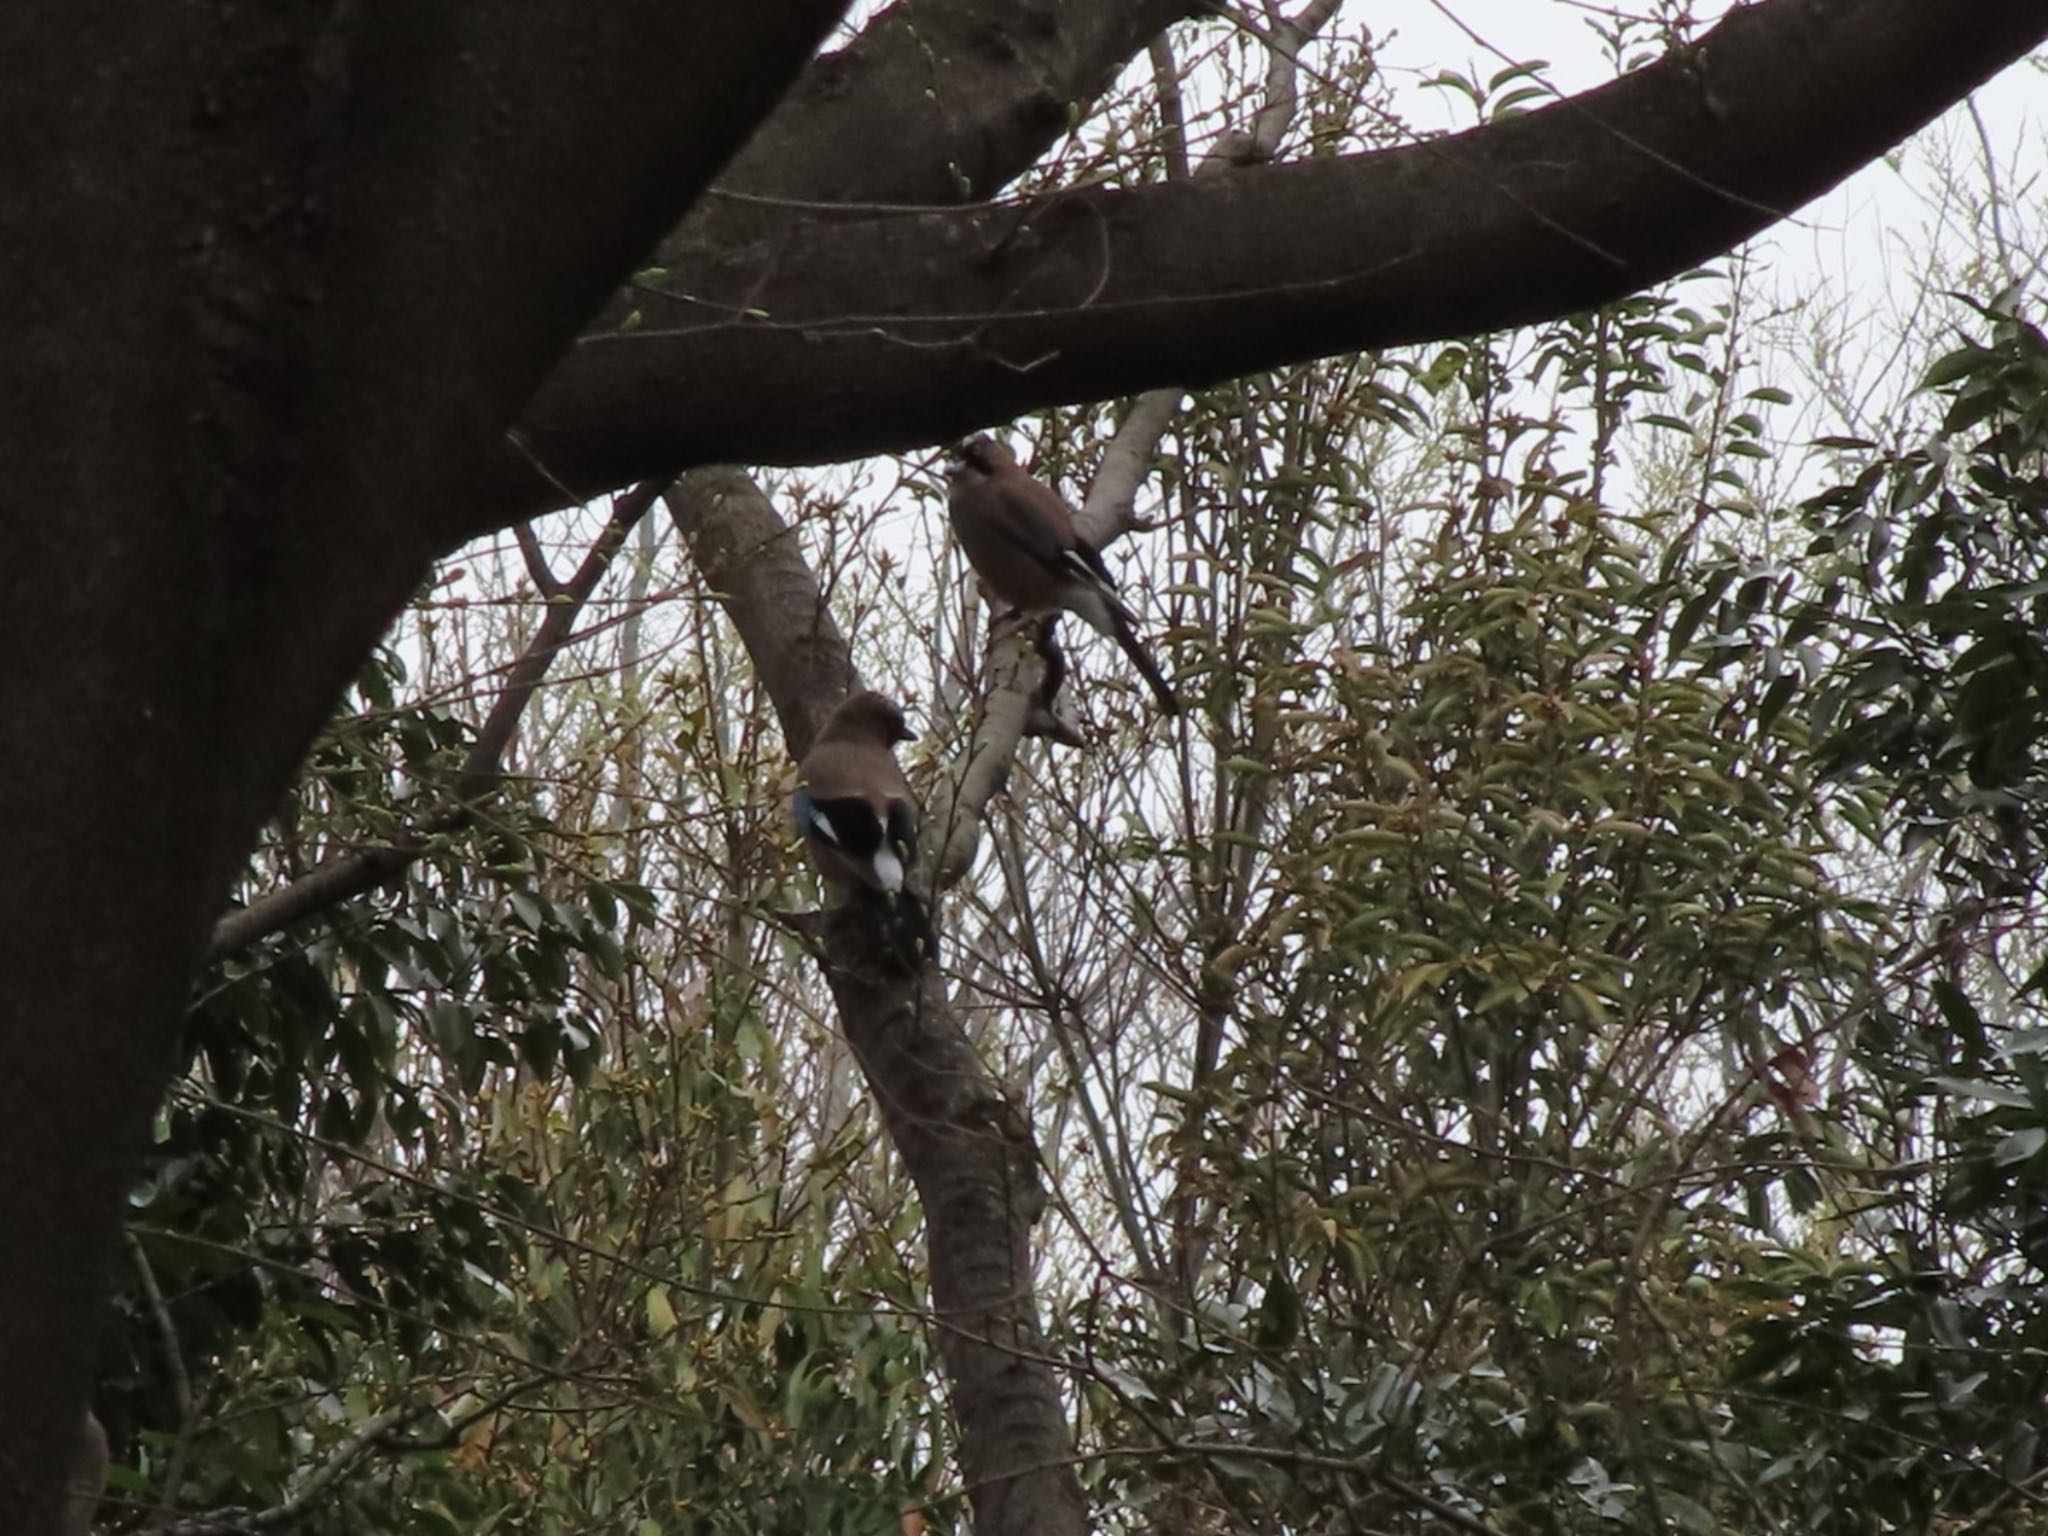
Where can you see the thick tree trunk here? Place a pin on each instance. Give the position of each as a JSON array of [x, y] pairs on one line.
[[268, 275], [969, 1151]]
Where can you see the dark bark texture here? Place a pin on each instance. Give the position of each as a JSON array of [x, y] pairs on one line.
[[971, 1155], [896, 330], [268, 276]]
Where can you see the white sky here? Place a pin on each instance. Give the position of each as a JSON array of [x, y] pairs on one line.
[[1849, 237]]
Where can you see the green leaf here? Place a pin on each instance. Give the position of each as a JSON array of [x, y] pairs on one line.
[[1279, 1313], [1959, 364], [2020, 1145]]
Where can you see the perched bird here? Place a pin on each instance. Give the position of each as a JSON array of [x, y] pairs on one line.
[[854, 808], [1018, 534]]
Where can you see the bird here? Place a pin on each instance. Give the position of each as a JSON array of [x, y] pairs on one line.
[[858, 819], [1018, 533]]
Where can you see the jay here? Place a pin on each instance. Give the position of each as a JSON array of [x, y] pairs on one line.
[[853, 806], [1018, 534]]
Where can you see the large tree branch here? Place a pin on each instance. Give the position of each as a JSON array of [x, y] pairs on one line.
[[896, 330], [994, 83], [936, 102]]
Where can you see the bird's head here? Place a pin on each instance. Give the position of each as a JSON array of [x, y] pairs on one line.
[[869, 716], [977, 458]]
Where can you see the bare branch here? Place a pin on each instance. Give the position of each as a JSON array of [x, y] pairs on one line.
[[1285, 39], [1111, 509], [181, 1383], [957, 806], [1173, 122], [353, 874], [544, 580]]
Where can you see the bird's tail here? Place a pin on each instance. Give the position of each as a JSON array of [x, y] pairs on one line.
[[1097, 603], [1126, 635]]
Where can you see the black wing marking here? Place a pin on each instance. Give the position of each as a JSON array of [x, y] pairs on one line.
[[1089, 558], [848, 823]]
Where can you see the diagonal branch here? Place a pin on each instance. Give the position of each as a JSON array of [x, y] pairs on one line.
[[965, 1144], [181, 1383], [905, 328], [356, 873], [339, 1465]]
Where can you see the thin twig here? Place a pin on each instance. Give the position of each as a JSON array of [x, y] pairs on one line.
[[181, 1382], [1173, 122], [354, 874]]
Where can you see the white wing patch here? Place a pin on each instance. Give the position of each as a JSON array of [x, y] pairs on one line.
[[888, 868]]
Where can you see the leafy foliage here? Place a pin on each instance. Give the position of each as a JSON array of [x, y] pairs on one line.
[[1557, 1045], [360, 1211]]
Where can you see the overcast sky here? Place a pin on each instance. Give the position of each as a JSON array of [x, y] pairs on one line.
[[1851, 236]]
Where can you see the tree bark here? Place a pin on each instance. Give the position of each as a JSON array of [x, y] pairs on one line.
[[970, 1153], [937, 102], [967, 1148], [268, 275], [894, 330]]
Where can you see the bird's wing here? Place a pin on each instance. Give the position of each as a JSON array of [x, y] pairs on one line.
[[853, 770], [1032, 519], [1088, 560], [846, 823]]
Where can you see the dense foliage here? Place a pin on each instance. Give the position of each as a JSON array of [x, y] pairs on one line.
[[1557, 1044]]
